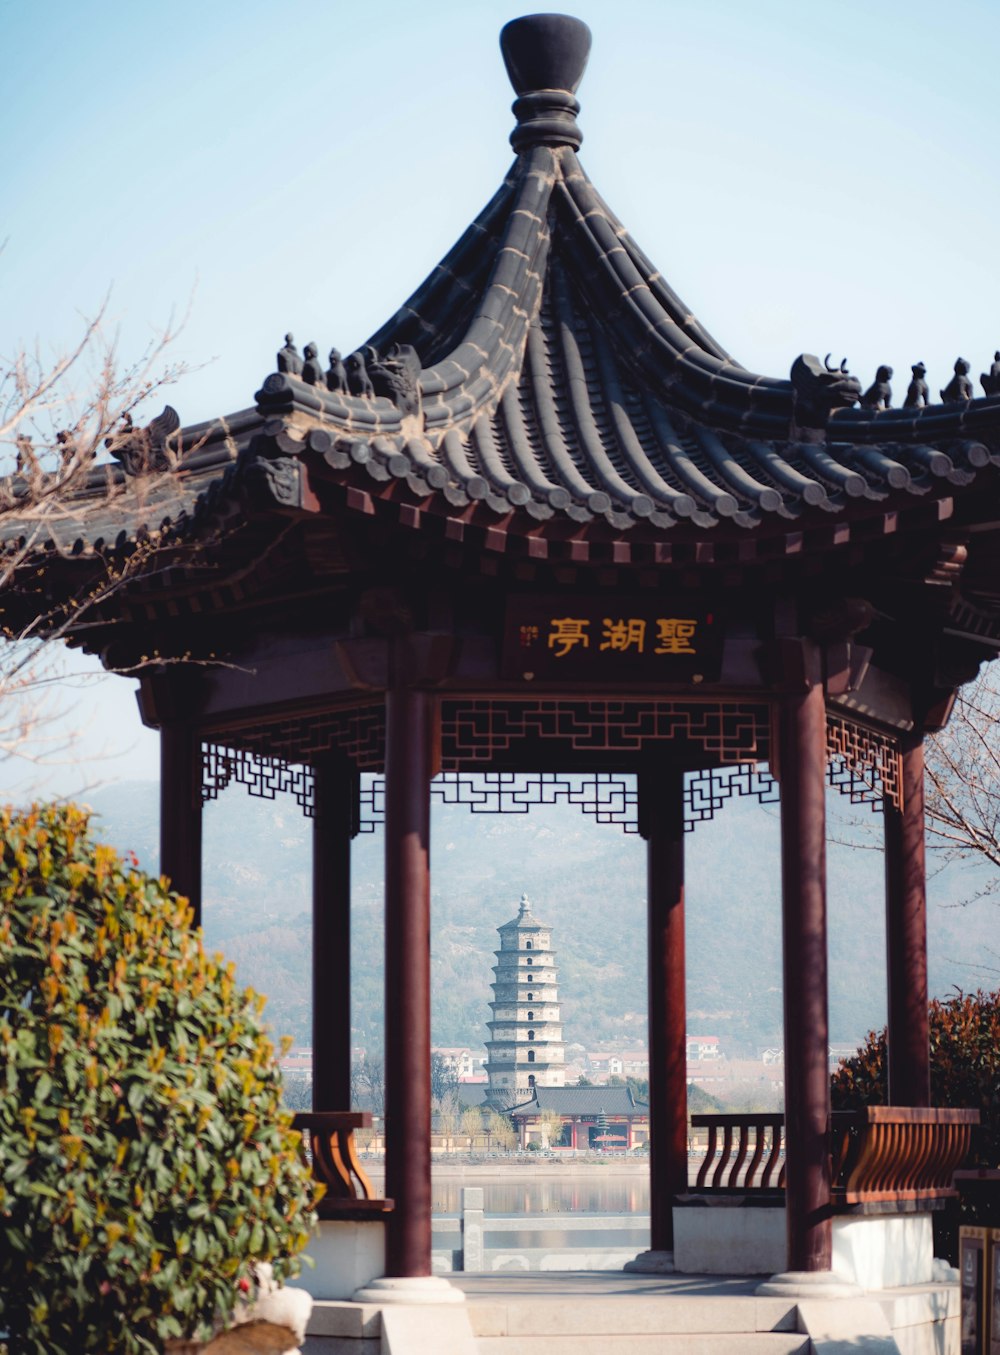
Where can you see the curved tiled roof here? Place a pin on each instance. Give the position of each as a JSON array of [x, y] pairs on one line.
[[582, 1101], [561, 377], [554, 386]]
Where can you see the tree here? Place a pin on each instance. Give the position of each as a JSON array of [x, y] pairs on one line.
[[444, 1077], [500, 1130], [146, 1161], [448, 1113], [472, 1124], [64, 424], [368, 1084], [963, 779], [965, 1067]]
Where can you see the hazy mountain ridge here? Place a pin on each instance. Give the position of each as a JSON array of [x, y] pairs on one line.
[[588, 882]]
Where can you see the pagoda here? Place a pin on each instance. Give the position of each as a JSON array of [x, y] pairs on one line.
[[525, 1048], [543, 523]]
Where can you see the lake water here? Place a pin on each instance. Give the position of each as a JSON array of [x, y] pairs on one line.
[[576, 1194], [530, 1191], [538, 1219]]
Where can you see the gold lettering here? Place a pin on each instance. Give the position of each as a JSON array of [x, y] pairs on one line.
[[674, 635], [624, 634], [566, 632]]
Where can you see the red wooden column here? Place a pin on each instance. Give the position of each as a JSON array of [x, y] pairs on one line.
[[906, 936], [408, 771], [661, 810], [180, 812], [335, 823], [802, 766]]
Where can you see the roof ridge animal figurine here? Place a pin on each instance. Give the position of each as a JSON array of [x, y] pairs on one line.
[[990, 381], [918, 393], [312, 368], [959, 387], [289, 358], [879, 393]]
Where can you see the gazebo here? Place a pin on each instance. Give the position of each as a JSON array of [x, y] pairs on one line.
[[542, 523]]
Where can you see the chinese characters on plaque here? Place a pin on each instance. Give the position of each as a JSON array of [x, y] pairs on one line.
[[580, 639]]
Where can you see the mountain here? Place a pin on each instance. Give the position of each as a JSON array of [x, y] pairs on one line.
[[585, 880]]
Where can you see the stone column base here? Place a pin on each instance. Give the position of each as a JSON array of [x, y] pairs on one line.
[[808, 1284], [408, 1289], [651, 1263]]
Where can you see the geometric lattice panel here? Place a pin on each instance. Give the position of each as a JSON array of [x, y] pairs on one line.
[[863, 764], [262, 775], [481, 731], [706, 792]]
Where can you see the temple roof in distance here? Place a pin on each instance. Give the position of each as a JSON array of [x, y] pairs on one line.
[[582, 1101], [545, 382]]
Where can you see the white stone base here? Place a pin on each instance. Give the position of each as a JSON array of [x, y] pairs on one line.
[[884, 1251], [651, 1263], [347, 1255], [874, 1252], [729, 1240], [417, 1289], [807, 1285]]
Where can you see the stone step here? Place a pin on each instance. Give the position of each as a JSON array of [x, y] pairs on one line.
[[678, 1343], [637, 1314]]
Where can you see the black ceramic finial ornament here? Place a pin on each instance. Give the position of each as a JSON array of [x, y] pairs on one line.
[[545, 56]]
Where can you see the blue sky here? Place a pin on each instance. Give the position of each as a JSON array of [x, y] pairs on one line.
[[808, 177]]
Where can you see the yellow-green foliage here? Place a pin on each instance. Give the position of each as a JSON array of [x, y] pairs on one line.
[[145, 1162]]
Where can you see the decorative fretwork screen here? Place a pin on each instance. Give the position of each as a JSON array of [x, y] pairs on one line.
[[861, 763]]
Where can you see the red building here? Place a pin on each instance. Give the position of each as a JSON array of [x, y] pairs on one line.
[[594, 1119]]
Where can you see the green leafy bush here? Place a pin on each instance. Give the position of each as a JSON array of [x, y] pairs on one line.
[[965, 1067], [145, 1161]]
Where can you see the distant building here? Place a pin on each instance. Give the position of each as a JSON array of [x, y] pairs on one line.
[[703, 1047], [604, 1065], [297, 1063], [463, 1063], [525, 1049], [598, 1119]]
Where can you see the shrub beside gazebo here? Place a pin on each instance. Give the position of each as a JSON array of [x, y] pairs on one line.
[[147, 1169]]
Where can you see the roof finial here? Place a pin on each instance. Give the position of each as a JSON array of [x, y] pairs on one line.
[[525, 906], [545, 56]]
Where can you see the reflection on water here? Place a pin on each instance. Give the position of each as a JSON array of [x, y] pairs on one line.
[[548, 1195], [569, 1193]]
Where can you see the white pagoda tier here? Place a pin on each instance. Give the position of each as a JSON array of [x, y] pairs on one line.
[[525, 1049]]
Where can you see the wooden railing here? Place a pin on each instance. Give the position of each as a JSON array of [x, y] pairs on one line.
[[893, 1153], [328, 1141], [879, 1155], [750, 1157]]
